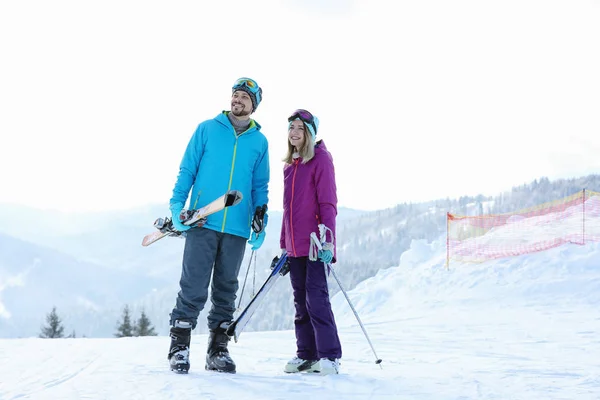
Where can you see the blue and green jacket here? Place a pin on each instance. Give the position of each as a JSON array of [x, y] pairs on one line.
[[217, 160]]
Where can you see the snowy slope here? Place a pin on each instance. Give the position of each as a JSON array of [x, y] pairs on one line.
[[521, 328]]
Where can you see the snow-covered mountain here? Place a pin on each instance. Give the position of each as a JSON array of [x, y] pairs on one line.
[[33, 279], [90, 265]]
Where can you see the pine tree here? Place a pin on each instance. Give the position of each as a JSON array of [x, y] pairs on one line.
[[125, 328], [144, 327], [55, 328]]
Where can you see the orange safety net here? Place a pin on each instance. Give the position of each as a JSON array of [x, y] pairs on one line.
[[573, 219]]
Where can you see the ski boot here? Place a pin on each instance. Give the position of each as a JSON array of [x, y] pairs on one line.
[[217, 355], [298, 364], [179, 352], [327, 366]]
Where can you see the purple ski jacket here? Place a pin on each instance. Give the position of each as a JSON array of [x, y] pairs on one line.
[[309, 199]]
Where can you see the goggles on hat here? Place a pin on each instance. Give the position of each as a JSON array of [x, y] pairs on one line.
[[304, 115], [251, 85]]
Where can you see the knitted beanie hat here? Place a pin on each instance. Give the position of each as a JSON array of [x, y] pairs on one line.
[[251, 87]]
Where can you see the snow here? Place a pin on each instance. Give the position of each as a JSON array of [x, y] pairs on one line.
[[516, 328]]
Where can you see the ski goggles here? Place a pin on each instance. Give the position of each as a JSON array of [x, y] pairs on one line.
[[304, 115], [251, 85]]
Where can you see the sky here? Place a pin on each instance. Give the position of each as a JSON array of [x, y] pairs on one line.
[[99, 99], [519, 328]]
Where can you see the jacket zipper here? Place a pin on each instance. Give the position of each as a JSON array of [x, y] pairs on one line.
[[230, 177], [196, 202], [292, 206]]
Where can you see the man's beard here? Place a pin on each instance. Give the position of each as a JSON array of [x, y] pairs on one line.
[[241, 113]]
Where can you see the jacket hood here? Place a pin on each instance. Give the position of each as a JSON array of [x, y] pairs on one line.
[[320, 146]]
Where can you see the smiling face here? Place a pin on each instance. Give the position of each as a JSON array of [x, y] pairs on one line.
[[241, 104], [297, 134]]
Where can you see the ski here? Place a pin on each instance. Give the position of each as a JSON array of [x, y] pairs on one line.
[[279, 267], [164, 226]]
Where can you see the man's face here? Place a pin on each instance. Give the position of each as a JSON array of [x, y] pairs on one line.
[[241, 104]]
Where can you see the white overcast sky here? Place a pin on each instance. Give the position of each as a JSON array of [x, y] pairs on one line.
[[418, 100]]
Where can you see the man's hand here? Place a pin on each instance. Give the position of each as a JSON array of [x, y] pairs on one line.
[[175, 217], [256, 240]]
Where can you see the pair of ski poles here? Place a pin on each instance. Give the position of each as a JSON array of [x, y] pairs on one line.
[[258, 225], [246, 278]]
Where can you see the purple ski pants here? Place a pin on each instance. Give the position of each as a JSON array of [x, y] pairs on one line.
[[316, 331]]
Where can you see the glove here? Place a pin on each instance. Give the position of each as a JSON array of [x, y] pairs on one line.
[[283, 252], [256, 240], [175, 211], [326, 256], [260, 219]]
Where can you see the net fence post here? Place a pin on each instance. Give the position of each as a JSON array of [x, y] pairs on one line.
[[447, 240], [583, 220]]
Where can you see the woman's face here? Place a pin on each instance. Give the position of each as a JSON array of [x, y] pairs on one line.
[[297, 134]]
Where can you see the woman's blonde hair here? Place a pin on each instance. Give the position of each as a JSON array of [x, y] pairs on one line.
[[307, 152]]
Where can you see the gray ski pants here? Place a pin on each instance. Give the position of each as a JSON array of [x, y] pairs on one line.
[[209, 252]]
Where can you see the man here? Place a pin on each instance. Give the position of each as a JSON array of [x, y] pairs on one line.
[[228, 152]]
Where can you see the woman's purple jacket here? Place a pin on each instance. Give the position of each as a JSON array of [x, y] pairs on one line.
[[309, 199]]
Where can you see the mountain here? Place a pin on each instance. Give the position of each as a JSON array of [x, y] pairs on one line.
[[97, 263], [102, 253], [89, 297]]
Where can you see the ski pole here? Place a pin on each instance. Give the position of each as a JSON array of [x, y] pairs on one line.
[[254, 277], [377, 359], [314, 239]]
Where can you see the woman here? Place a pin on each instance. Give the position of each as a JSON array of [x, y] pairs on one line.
[[310, 199]]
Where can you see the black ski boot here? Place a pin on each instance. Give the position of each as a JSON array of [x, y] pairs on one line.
[[179, 352], [217, 355]]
